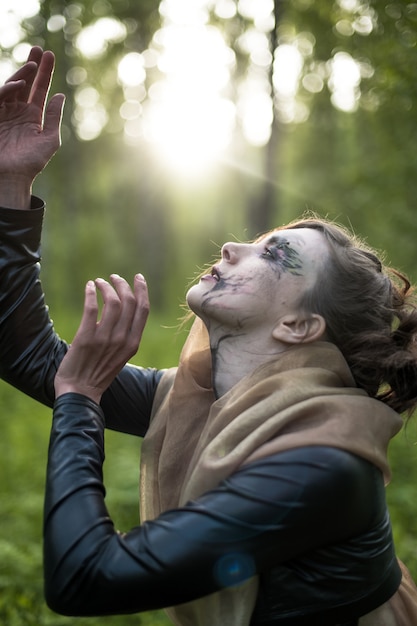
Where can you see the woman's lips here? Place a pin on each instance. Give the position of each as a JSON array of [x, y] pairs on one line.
[[213, 276]]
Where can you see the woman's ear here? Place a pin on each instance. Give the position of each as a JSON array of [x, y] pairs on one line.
[[299, 328]]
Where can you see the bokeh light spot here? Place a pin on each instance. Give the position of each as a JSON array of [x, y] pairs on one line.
[[233, 569], [131, 69]]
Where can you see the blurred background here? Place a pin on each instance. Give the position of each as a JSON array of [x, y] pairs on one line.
[[189, 123]]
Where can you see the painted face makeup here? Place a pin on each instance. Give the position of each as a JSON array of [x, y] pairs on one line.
[[284, 255], [257, 283]]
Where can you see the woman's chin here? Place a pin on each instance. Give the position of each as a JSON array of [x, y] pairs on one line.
[[193, 298]]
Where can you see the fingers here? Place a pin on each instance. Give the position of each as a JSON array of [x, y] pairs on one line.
[[42, 80], [37, 73], [18, 86], [10, 90], [28, 72], [101, 348], [112, 307], [124, 312], [90, 311], [53, 117], [35, 54], [142, 310]]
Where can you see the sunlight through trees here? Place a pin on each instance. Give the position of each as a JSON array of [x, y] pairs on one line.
[[188, 123]]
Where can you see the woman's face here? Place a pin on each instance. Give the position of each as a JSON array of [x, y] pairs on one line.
[[256, 284]]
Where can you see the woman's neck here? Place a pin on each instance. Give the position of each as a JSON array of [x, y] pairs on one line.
[[235, 356]]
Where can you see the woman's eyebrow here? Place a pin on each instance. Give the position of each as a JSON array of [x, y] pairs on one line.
[[275, 239], [279, 239]]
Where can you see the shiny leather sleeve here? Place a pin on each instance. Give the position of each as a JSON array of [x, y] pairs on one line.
[[264, 515], [30, 350]]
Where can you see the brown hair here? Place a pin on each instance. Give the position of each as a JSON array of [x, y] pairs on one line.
[[370, 315]]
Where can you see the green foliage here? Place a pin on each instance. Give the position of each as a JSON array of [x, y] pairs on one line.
[[401, 494], [112, 208]]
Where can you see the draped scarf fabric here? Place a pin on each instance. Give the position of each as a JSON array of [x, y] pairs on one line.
[[305, 396]]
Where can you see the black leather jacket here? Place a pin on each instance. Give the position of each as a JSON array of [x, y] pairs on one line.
[[311, 522]]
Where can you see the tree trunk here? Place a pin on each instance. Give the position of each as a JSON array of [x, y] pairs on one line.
[[263, 208]]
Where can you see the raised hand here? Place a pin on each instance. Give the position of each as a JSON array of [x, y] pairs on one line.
[[29, 130], [101, 347]]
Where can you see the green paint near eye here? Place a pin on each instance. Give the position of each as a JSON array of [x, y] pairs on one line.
[[283, 254]]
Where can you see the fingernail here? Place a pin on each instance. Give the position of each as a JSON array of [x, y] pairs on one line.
[[141, 277]]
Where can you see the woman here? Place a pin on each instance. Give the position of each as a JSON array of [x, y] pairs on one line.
[[264, 456]]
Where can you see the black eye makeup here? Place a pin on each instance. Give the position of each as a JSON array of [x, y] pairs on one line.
[[279, 250]]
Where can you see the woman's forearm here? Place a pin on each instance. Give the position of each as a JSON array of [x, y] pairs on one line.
[[30, 351]]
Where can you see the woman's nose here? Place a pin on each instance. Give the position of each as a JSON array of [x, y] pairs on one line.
[[231, 251]]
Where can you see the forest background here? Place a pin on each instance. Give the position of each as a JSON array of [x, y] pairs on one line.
[[189, 123]]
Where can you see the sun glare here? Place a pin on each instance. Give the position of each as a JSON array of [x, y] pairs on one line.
[[187, 117], [182, 95], [189, 136], [191, 111]]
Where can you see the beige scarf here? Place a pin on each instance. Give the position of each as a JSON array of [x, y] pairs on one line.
[[307, 396]]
